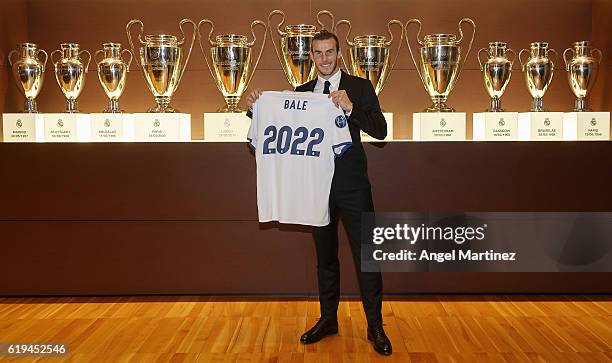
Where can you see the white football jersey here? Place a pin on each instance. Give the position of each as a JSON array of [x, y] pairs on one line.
[[296, 136]]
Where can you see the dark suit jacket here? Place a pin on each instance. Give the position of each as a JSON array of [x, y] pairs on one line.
[[351, 169]]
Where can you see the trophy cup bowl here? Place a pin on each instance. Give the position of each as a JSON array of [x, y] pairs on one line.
[[496, 72], [295, 44], [582, 71], [369, 55], [538, 70], [70, 73], [231, 62], [163, 62], [112, 73], [439, 63], [28, 72]]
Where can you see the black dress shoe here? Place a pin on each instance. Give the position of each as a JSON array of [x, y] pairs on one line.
[[382, 344], [323, 328]]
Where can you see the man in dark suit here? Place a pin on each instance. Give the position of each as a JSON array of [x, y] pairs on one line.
[[350, 193]]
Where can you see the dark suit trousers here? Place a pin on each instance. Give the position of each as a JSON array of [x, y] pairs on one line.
[[348, 206]]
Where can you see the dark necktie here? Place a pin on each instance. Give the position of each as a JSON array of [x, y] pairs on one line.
[[326, 87]]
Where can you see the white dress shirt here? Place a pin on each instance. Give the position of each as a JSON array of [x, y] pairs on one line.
[[335, 83], [334, 80]]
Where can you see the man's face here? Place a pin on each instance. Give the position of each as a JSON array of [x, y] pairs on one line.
[[325, 56]]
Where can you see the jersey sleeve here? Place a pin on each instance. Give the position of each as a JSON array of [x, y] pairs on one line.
[[252, 134], [341, 137]]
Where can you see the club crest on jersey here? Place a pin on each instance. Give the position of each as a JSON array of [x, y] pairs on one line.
[[341, 121]]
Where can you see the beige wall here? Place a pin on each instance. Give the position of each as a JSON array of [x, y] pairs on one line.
[[517, 22]]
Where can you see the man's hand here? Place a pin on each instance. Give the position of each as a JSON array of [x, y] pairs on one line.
[[252, 98], [341, 99]]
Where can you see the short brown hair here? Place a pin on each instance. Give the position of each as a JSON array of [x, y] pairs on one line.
[[324, 35]]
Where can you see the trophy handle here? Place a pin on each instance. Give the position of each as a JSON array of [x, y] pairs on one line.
[[513, 58], [53, 53], [278, 27], [348, 41], [565, 57], [466, 20], [521, 60], [129, 34], [46, 58], [391, 22], [263, 44], [328, 13], [10, 60], [598, 52], [88, 59], [210, 33], [470, 21], [193, 38], [96, 58], [212, 27], [280, 33], [348, 32], [129, 63], [556, 55], [417, 21], [478, 57]]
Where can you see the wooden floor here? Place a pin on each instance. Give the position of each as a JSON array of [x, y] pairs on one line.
[[221, 329]]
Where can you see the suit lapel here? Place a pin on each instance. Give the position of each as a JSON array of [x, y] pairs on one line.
[[309, 87], [343, 80]]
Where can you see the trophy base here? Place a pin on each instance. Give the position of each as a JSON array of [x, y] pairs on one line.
[[439, 108], [231, 105], [113, 107], [440, 126], [112, 127], [162, 109], [586, 126], [537, 105], [495, 126], [30, 106], [22, 127], [439, 105], [162, 106], [540, 126], [230, 109], [226, 127], [72, 106], [495, 105], [67, 127], [162, 127], [580, 105]]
